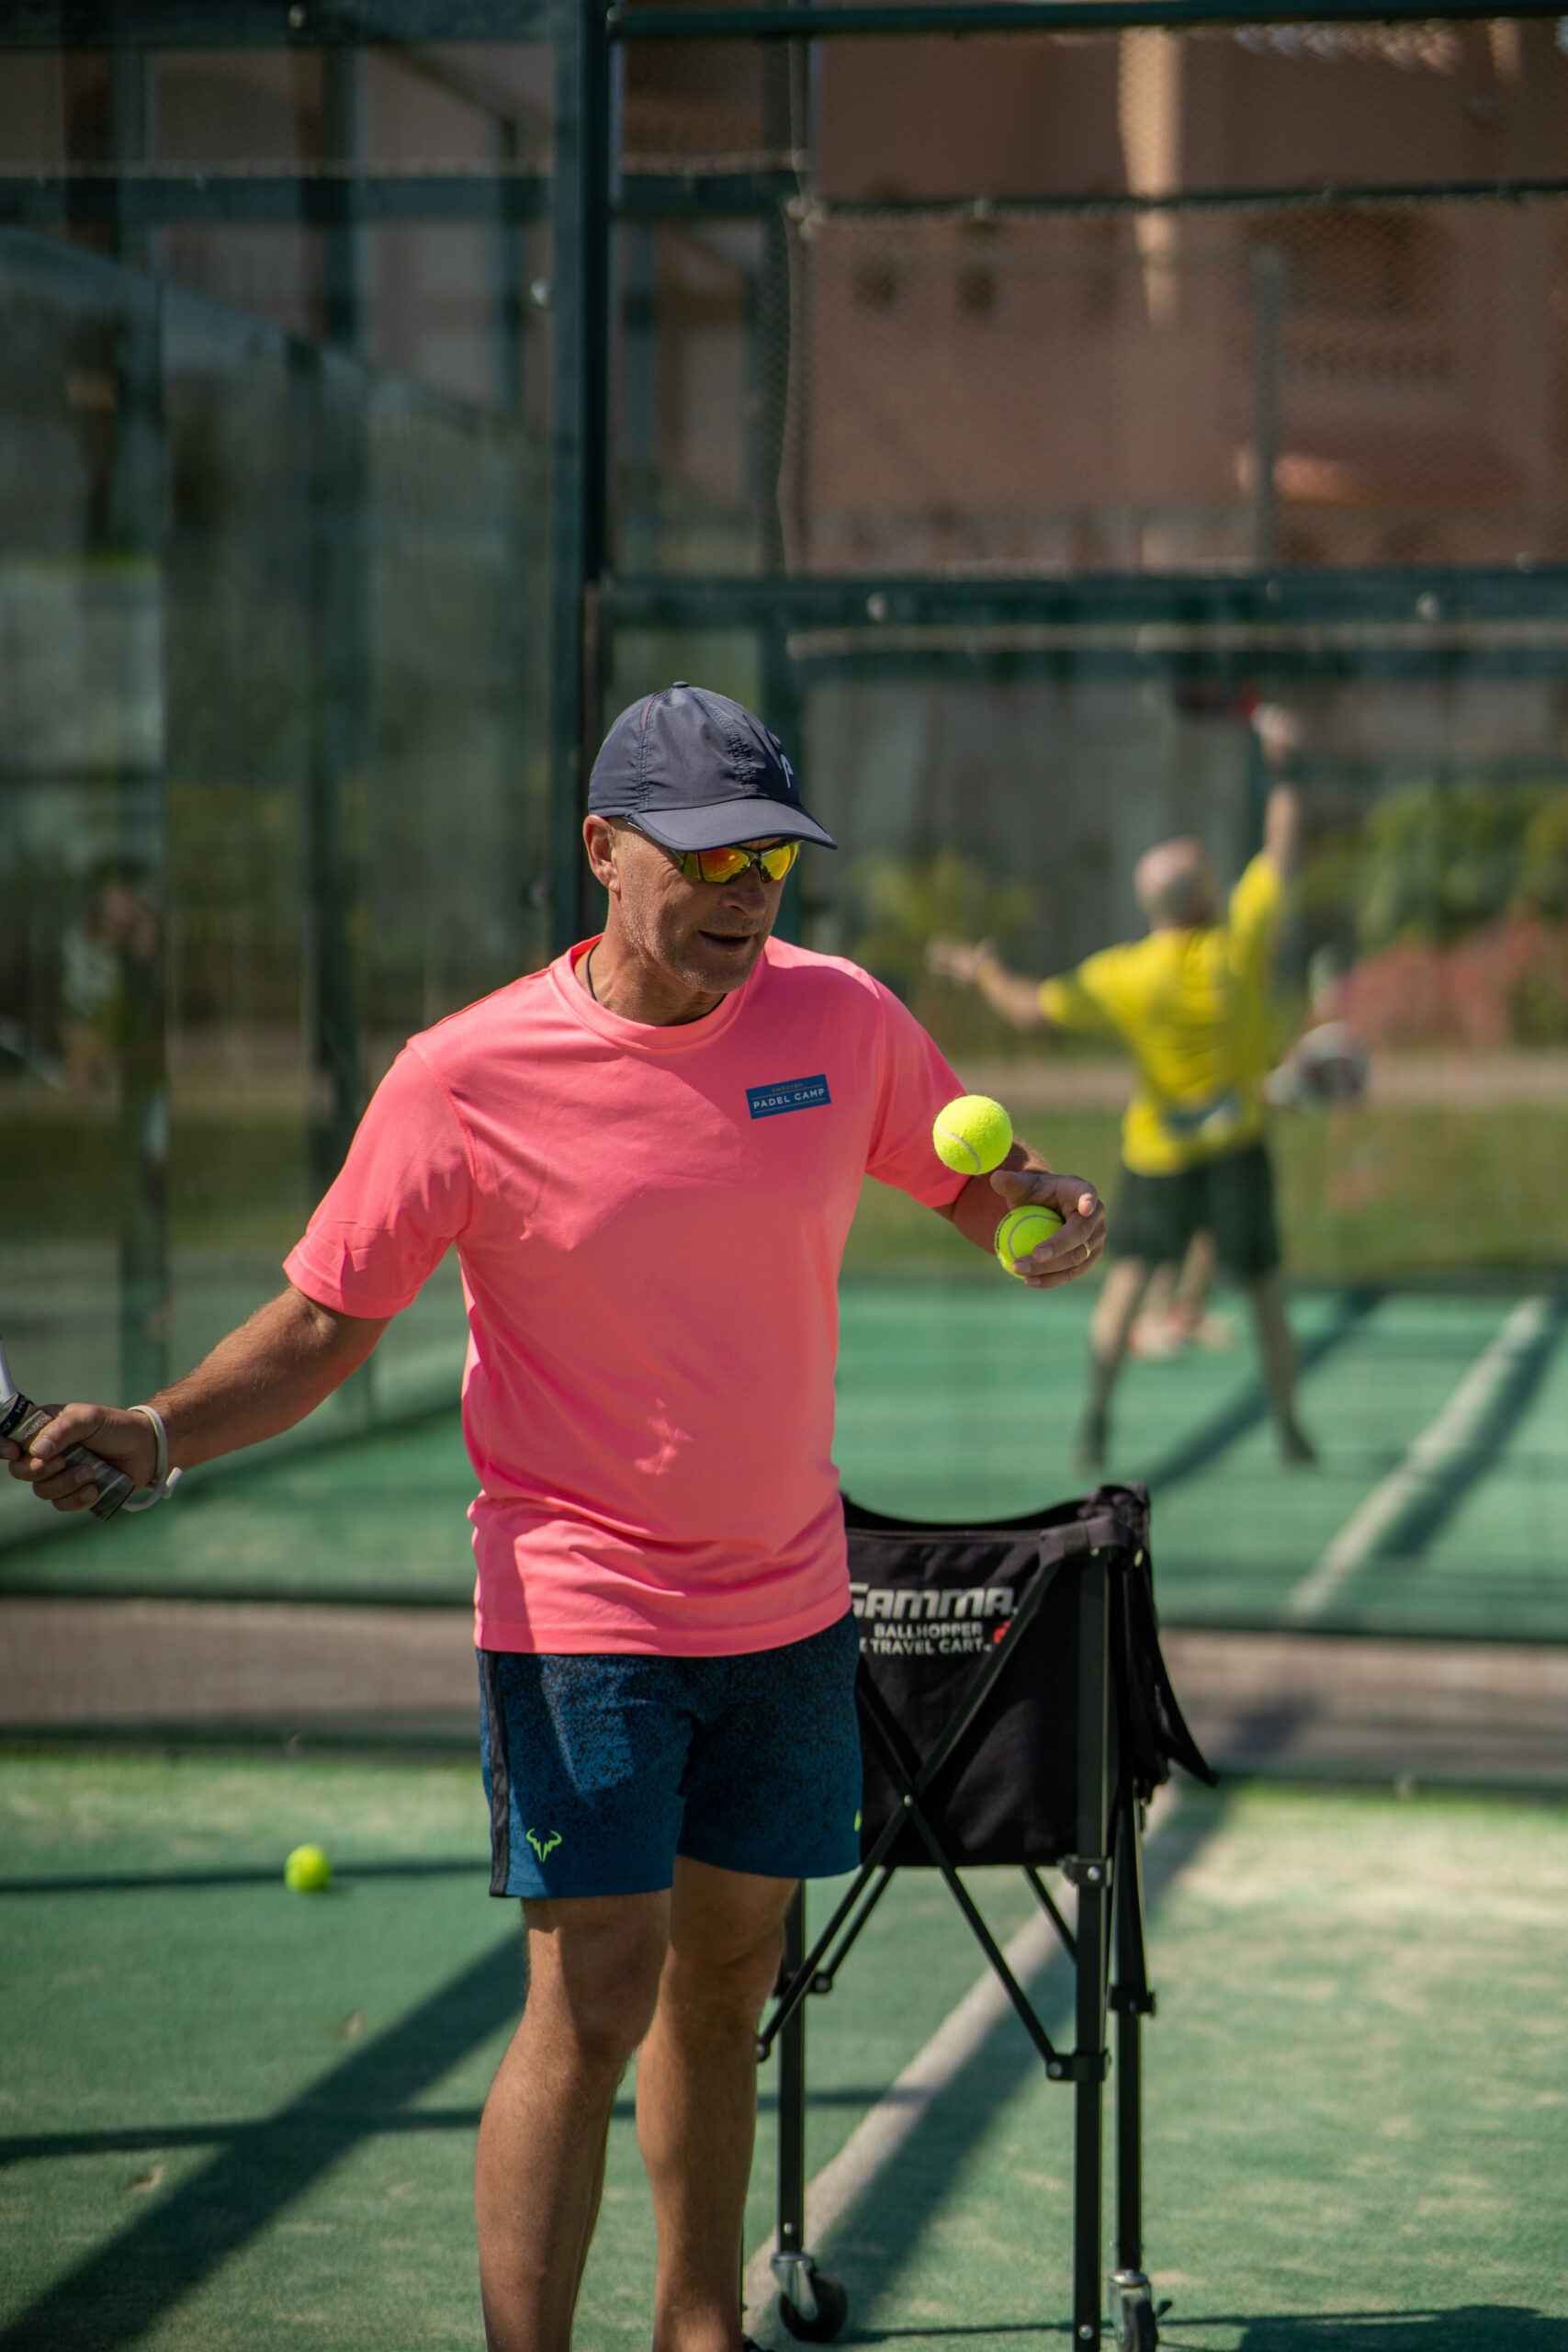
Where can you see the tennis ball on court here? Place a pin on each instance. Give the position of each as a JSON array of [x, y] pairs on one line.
[[1023, 1231], [307, 1871], [972, 1135]]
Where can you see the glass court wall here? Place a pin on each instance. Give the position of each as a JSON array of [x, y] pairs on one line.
[[1059, 433], [1060, 403], [274, 347], [1067, 434]]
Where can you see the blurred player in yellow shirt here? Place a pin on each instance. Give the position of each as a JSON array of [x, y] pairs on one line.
[[1190, 1003]]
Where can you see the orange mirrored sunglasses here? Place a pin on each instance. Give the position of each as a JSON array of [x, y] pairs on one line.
[[729, 865]]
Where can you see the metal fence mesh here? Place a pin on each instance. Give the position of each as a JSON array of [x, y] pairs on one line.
[[1132, 302]]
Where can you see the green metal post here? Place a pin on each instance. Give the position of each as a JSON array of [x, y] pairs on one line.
[[338, 748], [135, 528], [580, 432]]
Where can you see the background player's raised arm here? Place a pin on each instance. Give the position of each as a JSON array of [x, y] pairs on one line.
[[976, 965], [1282, 829]]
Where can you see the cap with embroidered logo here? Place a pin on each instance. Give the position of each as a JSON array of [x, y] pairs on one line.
[[693, 769]]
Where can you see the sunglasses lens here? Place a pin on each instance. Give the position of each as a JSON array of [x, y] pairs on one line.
[[724, 865], [721, 864]]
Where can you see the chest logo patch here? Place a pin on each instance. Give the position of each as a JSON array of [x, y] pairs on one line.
[[789, 1094]]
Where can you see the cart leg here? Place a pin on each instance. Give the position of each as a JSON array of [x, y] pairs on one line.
[[1132, 1996], [1132, 2304], [1087, 2128], [1093, 1810], [791, 2264], [1132, 2298], [812, 2306]]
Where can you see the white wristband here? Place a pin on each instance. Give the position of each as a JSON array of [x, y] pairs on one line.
[[163, 1480]]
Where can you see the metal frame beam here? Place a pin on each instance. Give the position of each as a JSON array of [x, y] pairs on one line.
[[328, 200], [1431, 599], [266, 24], [957, 17], [315, 199], [515, 199], [1324, 193], [1208, 625], [312, 24]]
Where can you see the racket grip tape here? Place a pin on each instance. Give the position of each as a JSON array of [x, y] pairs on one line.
[[21, 1421]]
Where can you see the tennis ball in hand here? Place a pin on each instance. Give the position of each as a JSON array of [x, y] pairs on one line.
[[1022, 1231], [307, 1871], [972, 1136]]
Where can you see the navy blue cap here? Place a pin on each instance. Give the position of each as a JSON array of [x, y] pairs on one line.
[[693, 769]]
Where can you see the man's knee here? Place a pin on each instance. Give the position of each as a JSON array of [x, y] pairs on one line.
[[740, 1981], [724, 1953], [593, 1973]]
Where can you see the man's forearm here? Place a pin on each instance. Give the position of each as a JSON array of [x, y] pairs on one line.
[[263, 1378], [277, 1367]]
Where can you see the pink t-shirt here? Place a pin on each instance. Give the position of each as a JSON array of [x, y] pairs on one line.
[[649, 1223]]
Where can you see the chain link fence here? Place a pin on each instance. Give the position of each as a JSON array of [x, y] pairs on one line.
[[1136, 302]]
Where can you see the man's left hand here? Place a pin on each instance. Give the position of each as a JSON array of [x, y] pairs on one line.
[[1074, 1247]]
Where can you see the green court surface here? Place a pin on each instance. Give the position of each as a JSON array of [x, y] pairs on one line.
[[1440, 1505], [230, 2116]]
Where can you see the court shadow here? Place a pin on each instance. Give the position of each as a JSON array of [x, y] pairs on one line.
[[120, 2290], [1231, 1421], [1469, 2327]]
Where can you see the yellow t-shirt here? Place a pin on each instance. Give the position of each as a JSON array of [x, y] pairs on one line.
[[1193, 1007]]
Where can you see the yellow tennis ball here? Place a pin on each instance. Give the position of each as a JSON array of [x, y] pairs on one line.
[[307, 1871], [972, 1135], [1022, 1231]]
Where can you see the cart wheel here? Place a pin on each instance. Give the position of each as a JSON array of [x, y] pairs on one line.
[[1136, 2325], [832, 2311], [1138, 2330]]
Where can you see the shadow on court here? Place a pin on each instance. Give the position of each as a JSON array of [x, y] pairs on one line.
[[1235, 1419], [117, 2293], [1470, 2328]]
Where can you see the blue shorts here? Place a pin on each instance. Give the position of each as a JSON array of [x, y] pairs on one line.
[[601, 1768]]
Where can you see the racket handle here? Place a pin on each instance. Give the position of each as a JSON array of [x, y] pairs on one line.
[[21, 1421]]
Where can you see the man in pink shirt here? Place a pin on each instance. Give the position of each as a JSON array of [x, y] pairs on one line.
[[648, 1157]]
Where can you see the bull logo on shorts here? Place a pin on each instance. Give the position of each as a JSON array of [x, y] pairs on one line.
[[543, 1847]]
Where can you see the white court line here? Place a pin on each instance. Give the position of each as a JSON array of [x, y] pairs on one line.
[[878, 2136], [1431, 1454]]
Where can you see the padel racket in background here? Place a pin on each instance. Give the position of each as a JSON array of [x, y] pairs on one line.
[[22, 1419]]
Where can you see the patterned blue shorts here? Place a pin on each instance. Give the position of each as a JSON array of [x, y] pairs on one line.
[[600, 1769]]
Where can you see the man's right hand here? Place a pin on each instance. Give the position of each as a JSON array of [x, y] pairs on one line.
[[126, 1440]]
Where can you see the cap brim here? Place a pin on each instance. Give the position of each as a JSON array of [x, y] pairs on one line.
[[722, 822]]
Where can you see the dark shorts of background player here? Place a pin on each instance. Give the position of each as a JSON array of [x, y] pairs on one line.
[[601, 1768], [1231, 1196]]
